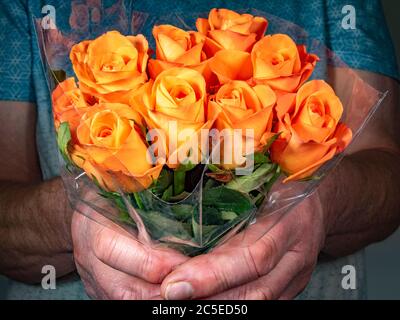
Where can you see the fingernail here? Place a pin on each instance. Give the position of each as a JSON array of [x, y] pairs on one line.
[[179, 291]]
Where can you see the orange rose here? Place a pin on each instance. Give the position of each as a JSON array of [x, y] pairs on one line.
[[68, 104], [111, 66], [230, 65], [113, 150], [173, 103], [280, 63], [310, 130], [239, 106], [227, 29], [178, 48]]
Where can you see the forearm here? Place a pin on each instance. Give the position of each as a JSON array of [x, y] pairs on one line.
[[361, 199], [35, 230]]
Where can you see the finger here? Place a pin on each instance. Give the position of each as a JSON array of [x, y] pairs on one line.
[[221, 270], [134, 258], [116, 285], [121, 252], [270, 286]]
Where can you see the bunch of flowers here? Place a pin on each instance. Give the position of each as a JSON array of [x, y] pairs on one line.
[[190, 141]]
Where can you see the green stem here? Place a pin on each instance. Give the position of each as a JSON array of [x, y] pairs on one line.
[[179, 182], [138, 200]]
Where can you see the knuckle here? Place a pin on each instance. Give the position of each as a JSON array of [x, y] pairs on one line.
[[152, 267], [253, 262], [263, 254]]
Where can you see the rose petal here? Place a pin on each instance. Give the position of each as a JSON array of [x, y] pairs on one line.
[[231, 65], [202, 25], [230, 40]]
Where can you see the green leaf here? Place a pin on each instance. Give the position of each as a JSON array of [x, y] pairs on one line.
[[63, 139], [268, 185], [160, 226], [219, 174], [214, 233], [168, 193], [116, 198], [162, 183], [260, 158], [212, 216], [179, 182], [258, 199], [179, 197], [253, 181], [196, 229], [183, 167], [119, 202], [225, 199], [203, 229], [209, 184], [138, 200], [228, 215], [182, 211], [206, 231], [126, 218]]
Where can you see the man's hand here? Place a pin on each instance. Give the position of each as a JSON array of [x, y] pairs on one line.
[[349, 212], [258, 264], [113, 264]]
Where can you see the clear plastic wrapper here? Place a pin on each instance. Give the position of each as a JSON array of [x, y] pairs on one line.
[[213, 205]]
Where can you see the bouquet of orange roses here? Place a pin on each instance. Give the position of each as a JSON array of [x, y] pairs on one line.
[[187, 144]]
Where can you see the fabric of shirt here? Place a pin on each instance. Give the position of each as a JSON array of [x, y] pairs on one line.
[[22, 78]]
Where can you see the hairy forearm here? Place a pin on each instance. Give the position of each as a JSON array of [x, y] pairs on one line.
[[361, 199], [35, 230]]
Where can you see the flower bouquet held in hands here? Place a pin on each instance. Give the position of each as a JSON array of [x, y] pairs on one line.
[[186, 145]]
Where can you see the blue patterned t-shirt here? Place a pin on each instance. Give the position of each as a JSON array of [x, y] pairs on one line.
[[22, 77]]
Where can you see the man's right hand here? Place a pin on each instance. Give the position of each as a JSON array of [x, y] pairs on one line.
[[113, 264]]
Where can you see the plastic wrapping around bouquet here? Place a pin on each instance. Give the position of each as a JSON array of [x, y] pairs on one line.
[[211, 213]]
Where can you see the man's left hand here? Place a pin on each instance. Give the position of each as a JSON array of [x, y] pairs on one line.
[[257, 264]]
